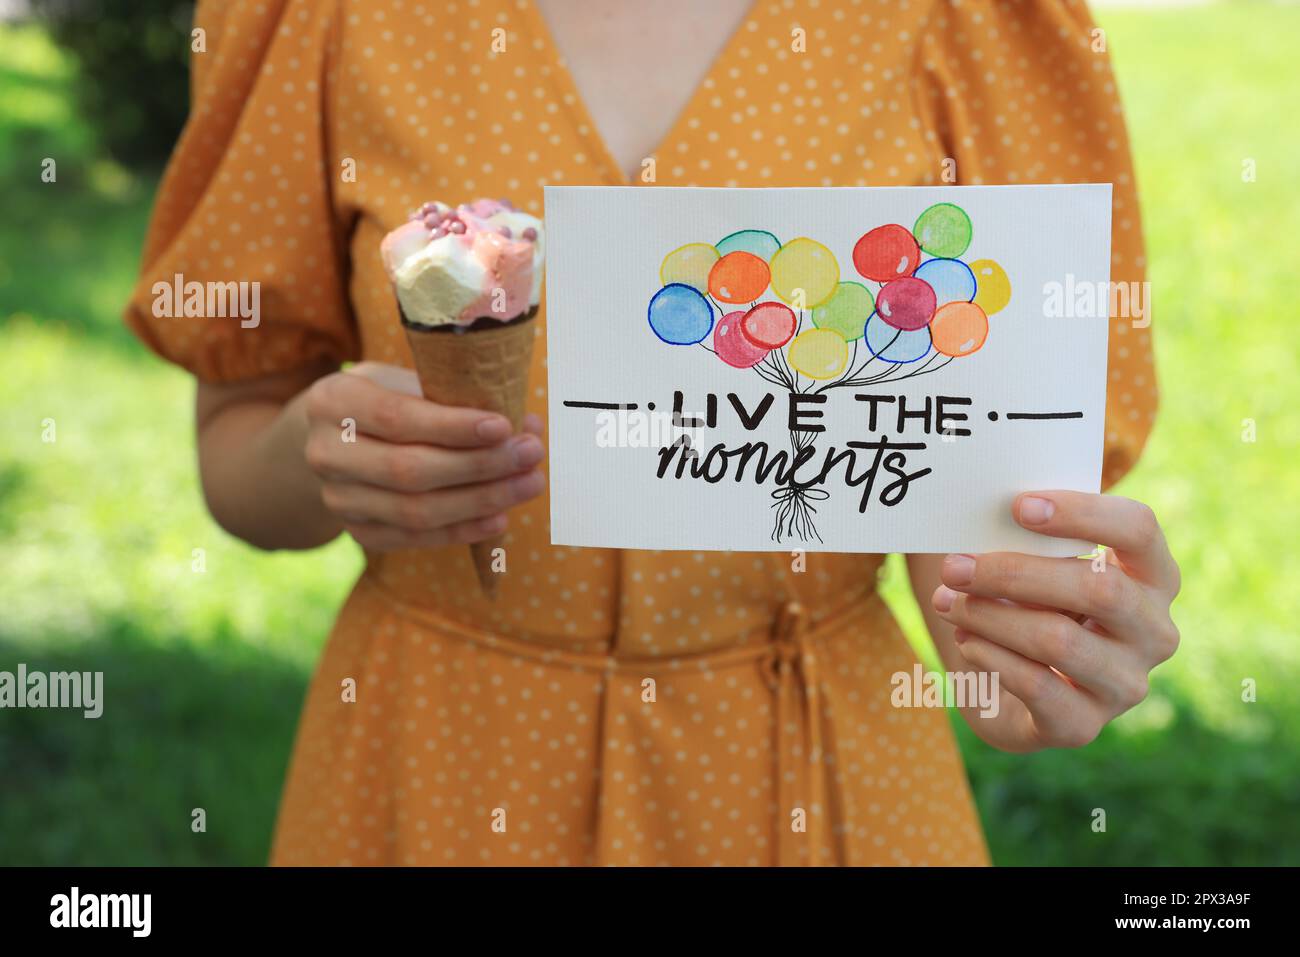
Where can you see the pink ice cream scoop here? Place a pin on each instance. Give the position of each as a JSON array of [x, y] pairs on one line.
[[455, 266]]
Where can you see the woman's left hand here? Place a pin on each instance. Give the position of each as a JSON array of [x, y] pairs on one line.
[[1072, 640]]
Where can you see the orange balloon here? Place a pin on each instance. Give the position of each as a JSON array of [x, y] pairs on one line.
[[958, 329], [738, 277]]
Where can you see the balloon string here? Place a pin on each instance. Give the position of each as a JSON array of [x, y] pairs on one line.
[[783, 492], [769, 364], [791, 373], [852, 379], [852, 359], [794, 514], [923, 371], [782, 370], [916, 371], [768, 377], [910, 375], [770, 367]]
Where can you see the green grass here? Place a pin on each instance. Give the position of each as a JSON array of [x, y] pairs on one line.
[[205, 671]]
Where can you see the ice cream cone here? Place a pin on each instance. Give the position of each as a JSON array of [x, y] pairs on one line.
[[479, 368], [456, 272]]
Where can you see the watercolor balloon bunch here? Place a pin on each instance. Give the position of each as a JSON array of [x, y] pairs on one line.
[[783, 311]]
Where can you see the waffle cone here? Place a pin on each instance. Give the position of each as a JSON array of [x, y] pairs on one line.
[[483, 369]]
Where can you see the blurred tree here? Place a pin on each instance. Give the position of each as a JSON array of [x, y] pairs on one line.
[[133, 77]]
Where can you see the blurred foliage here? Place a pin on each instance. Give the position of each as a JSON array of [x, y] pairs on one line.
[[132, 80], [205, 672], [1195, 775], [70, 249]]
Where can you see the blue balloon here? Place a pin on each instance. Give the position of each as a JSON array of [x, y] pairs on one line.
[[680, 315], [951, 280], [896, 345]]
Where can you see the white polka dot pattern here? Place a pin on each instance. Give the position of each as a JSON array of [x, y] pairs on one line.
[[517, 732]]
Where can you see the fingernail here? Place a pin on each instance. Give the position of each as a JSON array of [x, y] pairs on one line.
[[494, 428], [527, 451], [959, 636], [1035, 511], [958, 570], [943, 596], [526, 486]]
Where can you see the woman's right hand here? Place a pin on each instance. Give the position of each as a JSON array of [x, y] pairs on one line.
[[399, 471]]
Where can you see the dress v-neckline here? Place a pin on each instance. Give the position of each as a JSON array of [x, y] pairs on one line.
[[567, 86]]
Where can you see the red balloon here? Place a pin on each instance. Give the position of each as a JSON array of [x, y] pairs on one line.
[[906, 303], [730, 344], [769, 325], [886, 253]]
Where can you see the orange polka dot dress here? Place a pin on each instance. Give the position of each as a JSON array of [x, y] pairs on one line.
[[610, 707]]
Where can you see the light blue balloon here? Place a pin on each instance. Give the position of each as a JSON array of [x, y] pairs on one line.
[[896, 345], [680, 315], [757, 241], [951, 280]]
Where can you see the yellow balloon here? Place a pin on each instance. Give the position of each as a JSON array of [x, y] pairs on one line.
[[818, 353], [804, 273], [992, 287], [689, 264]]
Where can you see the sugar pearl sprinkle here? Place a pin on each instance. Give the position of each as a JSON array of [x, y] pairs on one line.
[[441, 220]]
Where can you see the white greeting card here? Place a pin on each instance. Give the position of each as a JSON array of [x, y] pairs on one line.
[[838, 369]]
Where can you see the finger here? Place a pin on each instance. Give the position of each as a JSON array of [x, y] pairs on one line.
[[378, 537], [1103, 667], [394, 378], [1127, 526], [419, 468], [397, 417], [427, 511], [533, 424], [1156, 633], [1111, 597], [1063, 716]]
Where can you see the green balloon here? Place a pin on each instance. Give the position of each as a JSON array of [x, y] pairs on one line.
[[757, 241], [943, 230], [846, 311]]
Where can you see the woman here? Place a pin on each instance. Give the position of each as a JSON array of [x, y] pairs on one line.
[[445, 729]]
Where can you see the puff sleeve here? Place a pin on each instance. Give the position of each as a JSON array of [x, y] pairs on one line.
[[1023, 92], [243, 272]]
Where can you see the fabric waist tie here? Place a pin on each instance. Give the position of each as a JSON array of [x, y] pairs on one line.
[[798, 747], [788, 664]]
